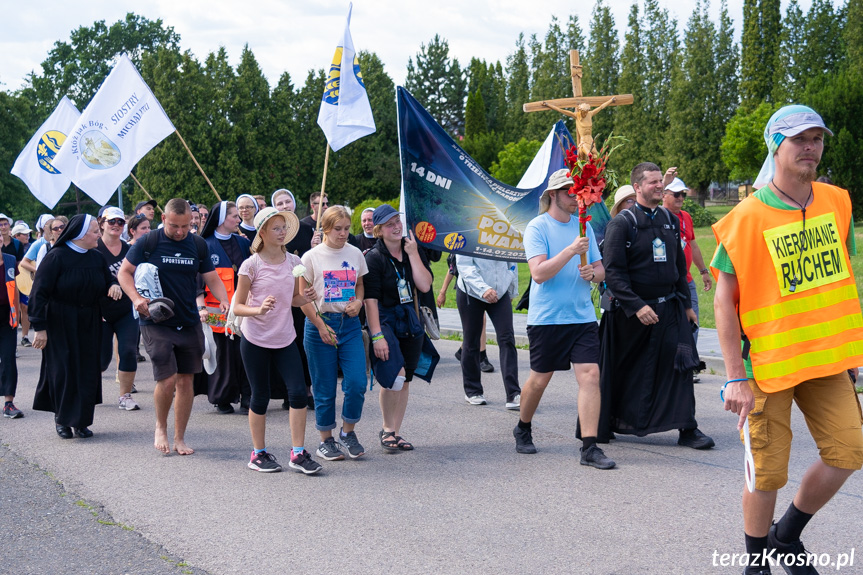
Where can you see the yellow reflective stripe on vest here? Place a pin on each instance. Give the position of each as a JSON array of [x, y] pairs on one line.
[[806, 333], [784, 309], [806, 360]]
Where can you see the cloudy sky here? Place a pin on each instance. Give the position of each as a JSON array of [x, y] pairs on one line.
[[294, 35]]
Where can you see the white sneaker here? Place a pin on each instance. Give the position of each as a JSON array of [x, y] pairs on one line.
[[126, 402], [515, 404], [475, 399]]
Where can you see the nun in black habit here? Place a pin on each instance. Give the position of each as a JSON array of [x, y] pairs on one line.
[[228, 250], [64, 309]]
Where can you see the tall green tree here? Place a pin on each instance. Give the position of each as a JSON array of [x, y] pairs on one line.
[[514, 160], [631, 122], [743, 148], [759, 51], [16, 127], [249, 116], [439, 84], [77, 68], [178, 82], [550, 77], [661, 56], [853, 35], [601, 65], [726, 85], [517, 90]]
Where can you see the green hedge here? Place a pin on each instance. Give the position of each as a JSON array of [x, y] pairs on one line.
[[356, 226]]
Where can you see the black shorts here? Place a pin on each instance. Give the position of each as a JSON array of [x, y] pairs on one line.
[[173, 350], [557, 347]]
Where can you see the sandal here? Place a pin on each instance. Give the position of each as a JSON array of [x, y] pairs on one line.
[[389, 440], [403, 444]]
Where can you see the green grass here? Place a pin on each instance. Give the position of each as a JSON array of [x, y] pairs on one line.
[[706, 241]]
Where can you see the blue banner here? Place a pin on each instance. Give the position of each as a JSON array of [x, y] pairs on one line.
[[453, 205]]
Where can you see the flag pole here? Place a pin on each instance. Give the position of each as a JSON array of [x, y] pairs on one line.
[[323, 186], [146, 193], [218, 197]]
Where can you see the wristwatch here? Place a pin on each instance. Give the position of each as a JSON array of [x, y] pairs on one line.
[[202, 307]]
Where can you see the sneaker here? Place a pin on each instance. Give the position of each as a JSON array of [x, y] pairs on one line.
[[304, 463], [475, 399], [134, 389], [523, 440], [484, 365], [515, 404], [264, 462], [595, 457], [330, 450], [26, 342], [12, 412], [225, 408], [458, 355], [801, 564], [350, 441], [126, 402], [140, 358], [695, 439]]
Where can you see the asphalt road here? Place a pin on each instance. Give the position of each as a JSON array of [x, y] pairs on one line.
[[463, 502]]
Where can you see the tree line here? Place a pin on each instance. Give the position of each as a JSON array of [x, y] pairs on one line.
[[701, 101]]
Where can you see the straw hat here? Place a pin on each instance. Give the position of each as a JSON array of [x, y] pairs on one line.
[[622, 193], [263, 216]]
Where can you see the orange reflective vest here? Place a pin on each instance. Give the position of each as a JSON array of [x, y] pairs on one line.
[[215, 318], [803, 329], [11, 289]]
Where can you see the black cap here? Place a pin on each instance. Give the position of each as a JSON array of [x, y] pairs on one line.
[[142, 204]]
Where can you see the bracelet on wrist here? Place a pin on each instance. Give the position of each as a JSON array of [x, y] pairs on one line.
[[704, 271], [374, 335], [377, 339], [722, 391], [202, 308]]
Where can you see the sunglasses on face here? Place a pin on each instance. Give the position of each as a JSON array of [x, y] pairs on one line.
[[677, 194], [140, 216], [116, 222], [58, 228]]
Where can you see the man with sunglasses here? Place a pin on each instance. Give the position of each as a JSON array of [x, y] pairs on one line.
[[672, 199]]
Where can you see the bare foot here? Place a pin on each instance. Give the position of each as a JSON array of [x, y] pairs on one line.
[[181, 448], [161, 441]]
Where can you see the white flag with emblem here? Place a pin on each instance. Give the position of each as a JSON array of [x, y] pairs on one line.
[[121, 124], [345, 114], [35, 163]]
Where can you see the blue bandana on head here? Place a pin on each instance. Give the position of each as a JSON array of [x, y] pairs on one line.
[[804, 117]]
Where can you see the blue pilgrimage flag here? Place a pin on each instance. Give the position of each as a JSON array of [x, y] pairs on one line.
[[345, 113], [453, 205]]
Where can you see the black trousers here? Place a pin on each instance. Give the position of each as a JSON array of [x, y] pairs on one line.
[[8, 363], [262, 363], [471, 311]]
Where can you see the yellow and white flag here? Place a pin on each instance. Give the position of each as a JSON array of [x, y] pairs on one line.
[[35, 163], [345, 114], [121, 124]]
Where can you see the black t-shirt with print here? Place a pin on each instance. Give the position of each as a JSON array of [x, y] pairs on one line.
[[179, 264]]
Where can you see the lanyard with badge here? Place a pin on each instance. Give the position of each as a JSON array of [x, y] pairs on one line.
[[658, 245], [404, 290]]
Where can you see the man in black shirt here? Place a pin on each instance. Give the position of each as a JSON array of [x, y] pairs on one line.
[[175, 345]]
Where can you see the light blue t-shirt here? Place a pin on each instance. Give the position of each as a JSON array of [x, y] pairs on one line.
[[33, 250], [565, 298]]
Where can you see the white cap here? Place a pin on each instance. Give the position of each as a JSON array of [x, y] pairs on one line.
[[676, 185], [112, 212]]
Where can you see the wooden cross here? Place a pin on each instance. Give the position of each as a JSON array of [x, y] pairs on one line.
[[582, 104]]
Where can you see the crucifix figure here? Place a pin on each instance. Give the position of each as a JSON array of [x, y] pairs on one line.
[[584, 108]]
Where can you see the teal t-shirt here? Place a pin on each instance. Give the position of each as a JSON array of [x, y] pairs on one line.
[[722, 262]]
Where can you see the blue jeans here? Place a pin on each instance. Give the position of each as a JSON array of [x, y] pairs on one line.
[[324, 361], [693, 294]]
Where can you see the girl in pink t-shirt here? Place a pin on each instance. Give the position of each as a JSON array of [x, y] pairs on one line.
[[266, 290]]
